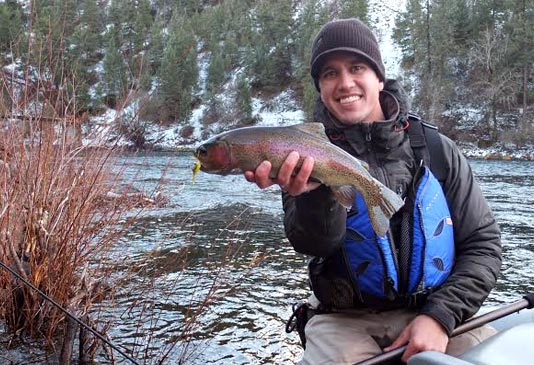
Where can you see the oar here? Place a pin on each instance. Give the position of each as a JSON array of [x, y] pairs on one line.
[[526, 303]]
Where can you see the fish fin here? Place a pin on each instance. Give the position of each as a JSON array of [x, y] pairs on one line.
[[344, 194], [313, 128], [380, 214]]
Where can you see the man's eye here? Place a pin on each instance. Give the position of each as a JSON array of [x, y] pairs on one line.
[[329, 74], [357, 68]]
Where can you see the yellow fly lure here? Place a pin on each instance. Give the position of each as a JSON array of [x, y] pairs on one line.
[[196, 169]]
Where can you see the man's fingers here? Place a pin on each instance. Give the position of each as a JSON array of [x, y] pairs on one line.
[[292, 181], [261, 175], [301, 179], [288, 168], [250, 176]]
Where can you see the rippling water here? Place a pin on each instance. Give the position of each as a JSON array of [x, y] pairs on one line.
[[509, 188], [232, 237], [223, 238]]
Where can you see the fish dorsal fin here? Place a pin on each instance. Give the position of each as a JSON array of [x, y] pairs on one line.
[[313, 128]]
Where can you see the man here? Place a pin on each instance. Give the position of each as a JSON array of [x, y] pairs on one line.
[[367, 115]]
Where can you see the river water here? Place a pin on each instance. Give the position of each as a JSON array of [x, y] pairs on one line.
[[219, 246], [210, 278]]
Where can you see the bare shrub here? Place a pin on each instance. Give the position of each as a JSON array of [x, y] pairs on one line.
[[53, 223]]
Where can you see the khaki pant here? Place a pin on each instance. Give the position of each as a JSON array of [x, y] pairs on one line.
[[357, 335]]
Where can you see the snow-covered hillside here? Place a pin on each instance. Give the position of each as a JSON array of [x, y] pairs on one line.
[[282, 109]]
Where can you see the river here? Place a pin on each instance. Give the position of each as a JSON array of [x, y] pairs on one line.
[[231, 234], [210, 277]]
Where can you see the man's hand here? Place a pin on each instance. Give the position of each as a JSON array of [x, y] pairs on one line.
[[424, 333], [291, 181]]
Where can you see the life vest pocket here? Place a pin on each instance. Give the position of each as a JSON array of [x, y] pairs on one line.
[[365, 260]]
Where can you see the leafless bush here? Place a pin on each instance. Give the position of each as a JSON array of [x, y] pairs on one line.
[[52, 223], [54, 220]]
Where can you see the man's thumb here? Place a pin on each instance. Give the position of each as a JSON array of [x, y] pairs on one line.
[[400, 341]]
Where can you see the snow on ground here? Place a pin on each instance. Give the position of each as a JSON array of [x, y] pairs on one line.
[[281, 110]]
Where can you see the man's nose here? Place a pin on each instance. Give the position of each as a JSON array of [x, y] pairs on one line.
[[346, 80]]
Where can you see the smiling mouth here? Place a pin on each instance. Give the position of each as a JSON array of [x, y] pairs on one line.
[[350, 99]]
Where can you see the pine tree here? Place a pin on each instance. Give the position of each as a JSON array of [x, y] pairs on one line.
[[179, 71], [520, 27], [409, 33], [309, 99], [270, 54], [216, 69], [412, 32], [244, 99], [11, 25], [355, 9], [157, 46], [142, 24], [116, 77], [313, 15], [87, 39]]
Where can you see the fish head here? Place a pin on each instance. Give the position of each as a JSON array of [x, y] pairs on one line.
[[215, 156]]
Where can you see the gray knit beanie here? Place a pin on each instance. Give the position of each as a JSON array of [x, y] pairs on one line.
[[349, 35]]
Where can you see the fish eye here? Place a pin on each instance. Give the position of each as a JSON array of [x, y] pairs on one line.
[[201, 151]]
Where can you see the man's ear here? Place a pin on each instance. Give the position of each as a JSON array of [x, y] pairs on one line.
[[381, 85]]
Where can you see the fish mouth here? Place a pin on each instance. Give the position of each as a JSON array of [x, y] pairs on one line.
[[201, 152]]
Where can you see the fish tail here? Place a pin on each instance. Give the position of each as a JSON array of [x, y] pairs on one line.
[[380, 214]]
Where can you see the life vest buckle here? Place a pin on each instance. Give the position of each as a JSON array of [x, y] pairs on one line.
[[416, 299]]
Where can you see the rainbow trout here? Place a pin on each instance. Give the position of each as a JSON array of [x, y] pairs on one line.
[[243, 149]]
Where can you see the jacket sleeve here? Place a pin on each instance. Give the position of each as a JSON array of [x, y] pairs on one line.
[[477, 244], [314, 222]]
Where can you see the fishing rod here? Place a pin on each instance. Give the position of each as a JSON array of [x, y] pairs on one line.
[[526, 303], [66, 312]]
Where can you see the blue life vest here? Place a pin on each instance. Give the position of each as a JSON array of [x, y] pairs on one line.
[[373, 260]]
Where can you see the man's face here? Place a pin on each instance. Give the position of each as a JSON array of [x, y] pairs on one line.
[[350, 88]]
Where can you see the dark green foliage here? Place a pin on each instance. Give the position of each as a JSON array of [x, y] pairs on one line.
[[11, 25], [178, 73], [453, 52], [87, 38], [116, 77], [309, 98], [244, 99], [269, 55], [157, 45], [354, 9], [313, 15], [216, 69], [462, 52]]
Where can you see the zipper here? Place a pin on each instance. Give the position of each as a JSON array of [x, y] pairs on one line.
[[380, 173], [395, 253], [421, 284]]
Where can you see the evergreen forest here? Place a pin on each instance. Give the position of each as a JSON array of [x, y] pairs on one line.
[[463, 61]]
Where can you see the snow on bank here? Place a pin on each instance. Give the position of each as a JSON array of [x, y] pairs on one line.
[[280, 110], [499, 152]]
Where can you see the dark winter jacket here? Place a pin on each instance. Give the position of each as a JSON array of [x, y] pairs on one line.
[[315, 222]]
